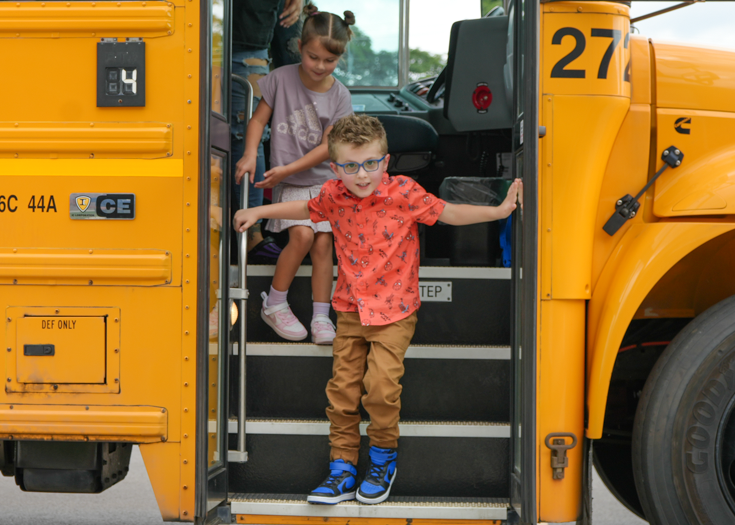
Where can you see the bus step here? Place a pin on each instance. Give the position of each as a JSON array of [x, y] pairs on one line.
[[414, 351], [441, 383], [399, 507], [455, 320], [444, 429]]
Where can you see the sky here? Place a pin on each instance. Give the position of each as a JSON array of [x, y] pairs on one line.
[[710, 23]]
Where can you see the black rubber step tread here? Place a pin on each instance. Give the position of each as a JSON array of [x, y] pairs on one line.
[[395, 500], [429, 466], [433, 389]]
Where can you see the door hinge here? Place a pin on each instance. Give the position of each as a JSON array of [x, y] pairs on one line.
[[557, 443]]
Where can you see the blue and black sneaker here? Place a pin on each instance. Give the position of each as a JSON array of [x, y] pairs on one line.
[[380, 475], [339, 485]]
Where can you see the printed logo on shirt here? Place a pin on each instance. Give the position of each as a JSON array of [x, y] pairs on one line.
[[303, 124]]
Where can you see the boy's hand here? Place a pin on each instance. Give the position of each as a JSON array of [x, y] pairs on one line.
[[244, 219], [245, 165], [509, 204], [272, 177]]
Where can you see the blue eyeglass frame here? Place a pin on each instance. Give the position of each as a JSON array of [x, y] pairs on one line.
[[361, 165]]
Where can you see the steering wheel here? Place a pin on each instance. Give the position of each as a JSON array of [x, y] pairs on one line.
[[436, 86]]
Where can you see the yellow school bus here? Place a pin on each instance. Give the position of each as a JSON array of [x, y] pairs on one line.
[[596, 328]]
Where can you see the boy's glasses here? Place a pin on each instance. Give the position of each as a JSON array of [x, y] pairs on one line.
[[351, 168]]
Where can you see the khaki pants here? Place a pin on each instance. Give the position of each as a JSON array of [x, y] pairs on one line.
[[380, 350]]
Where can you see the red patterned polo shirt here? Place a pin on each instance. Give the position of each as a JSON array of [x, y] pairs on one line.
[[377, 245]]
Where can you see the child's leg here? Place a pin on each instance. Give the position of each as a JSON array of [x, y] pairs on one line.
[[345, 388], [300, 239], [388, 345], [276, 312], [322, 329], [322, 268], [382, 379]]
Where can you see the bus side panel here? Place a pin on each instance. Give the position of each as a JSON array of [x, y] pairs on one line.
[[56, 142]]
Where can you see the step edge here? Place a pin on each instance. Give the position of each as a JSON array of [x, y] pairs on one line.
[[491, 353], [407, 429], [425, 272], [369, 511]]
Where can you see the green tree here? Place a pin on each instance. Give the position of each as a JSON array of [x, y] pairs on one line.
[[423, 64], [362, 66], [487, 5]]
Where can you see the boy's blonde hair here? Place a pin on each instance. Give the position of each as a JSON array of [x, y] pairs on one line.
[[356, 130]]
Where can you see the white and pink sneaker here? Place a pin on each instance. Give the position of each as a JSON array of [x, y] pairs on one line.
[[322, 330], [282, 320]]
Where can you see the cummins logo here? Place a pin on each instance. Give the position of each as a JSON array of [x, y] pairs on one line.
[[682, 125]]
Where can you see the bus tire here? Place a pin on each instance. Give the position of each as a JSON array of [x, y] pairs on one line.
[[684, 473]]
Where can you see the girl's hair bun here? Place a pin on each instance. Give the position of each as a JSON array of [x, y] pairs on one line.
[[349, 18], [310, 9]]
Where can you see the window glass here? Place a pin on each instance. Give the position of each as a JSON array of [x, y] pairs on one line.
[[216, 348], [430, 22], [371, 58], [218, 56]]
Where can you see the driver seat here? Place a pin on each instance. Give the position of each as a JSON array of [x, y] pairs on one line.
[[411, 143]]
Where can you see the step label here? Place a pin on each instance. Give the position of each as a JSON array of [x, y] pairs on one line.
[[435, 291]]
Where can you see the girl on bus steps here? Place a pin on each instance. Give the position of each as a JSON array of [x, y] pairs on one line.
[[304, 101]]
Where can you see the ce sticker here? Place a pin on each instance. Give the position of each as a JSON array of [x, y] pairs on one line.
[[120, 206], [682, 125]]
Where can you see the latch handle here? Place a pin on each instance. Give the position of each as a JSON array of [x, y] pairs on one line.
[[627, 207], [556, 442]]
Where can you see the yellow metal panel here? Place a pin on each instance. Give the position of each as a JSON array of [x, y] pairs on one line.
[[165, 464], [644, 254], [28, 97], [704, 184], [694, 78], [640, 70], [575, 58], [85, 139], [140, 424], [79, 350], [92, 168], [700, 280], [88, 354], [626, 173], [585, 129], [75, 19], [158, 324], [560, 389], [84, 267]]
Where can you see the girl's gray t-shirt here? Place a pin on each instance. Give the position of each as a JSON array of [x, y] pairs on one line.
[[299, 119]]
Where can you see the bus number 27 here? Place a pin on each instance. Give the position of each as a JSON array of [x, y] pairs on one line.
[[560, 68]]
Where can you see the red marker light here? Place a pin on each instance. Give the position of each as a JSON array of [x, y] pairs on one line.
[[482, 97]]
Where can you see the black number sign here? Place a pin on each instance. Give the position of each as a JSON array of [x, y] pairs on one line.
[[580, 43], [560, 71]]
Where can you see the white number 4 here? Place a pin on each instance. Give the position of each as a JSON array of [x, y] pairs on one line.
[[133, 80]]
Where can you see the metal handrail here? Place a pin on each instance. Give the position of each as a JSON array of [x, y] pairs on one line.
[[240, 293]]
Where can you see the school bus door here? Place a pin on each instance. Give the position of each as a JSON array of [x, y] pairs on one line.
[[524, 16], [214, 305]]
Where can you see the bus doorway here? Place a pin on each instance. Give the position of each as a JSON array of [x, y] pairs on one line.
[[457, 390]]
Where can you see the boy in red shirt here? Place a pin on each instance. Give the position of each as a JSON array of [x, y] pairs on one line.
[[375, 219]]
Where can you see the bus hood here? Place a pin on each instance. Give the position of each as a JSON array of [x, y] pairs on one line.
[[694, 78]]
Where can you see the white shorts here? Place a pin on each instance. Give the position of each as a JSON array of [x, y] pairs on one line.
[[287, 193]]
